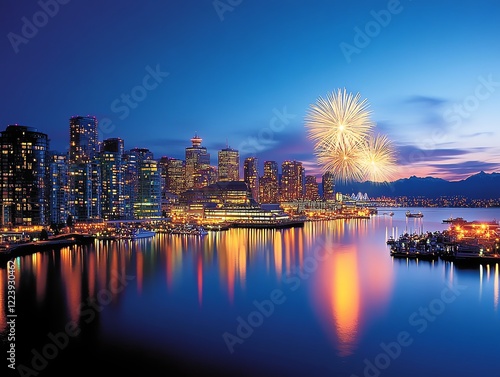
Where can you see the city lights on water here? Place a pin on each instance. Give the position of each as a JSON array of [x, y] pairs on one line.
[[344, 140]]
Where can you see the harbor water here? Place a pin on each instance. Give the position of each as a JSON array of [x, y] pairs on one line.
[[325, 299]]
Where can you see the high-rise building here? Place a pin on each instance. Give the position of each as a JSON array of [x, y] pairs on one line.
[[58, 187], [113, 179], [24, 171], [115, 145], [292, 181], [83, 139], [269, 183], [251, 176], [197, 160], [84, 169], [143, 184], [173, 172], [328, 186], [312, 188], [229, 165]]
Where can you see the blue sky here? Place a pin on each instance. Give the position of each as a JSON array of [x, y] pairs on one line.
[[245, 73]]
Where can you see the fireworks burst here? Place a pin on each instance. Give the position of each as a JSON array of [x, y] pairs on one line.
[[340, 119], [342, 133], [378, 160]]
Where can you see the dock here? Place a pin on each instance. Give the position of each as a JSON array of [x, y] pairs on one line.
[[55, 243]]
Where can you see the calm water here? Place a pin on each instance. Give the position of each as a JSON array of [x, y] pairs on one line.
[[323, 300]]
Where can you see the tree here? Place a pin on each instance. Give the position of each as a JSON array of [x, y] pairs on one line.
[[55, 228], [44, 235], [69, 221]]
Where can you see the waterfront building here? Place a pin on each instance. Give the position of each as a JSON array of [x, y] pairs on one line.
[[58, 188], [227, 193], [148, 202], [250, 215], [197, 159], [24, 171], [251, 176], [228, 164], [143, 184], [85, 191], [292, 185], [83, 139], [328, 186], [112, 178], [269, 183], [84, 169], [312, 188]]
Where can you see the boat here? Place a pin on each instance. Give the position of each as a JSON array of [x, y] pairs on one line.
[[414, 214], [451, 220], [217, 227], [189, 229], [138, 233]]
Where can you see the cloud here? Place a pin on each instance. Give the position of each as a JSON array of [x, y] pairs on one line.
[[407, 154], [465, 169], [424, 101]]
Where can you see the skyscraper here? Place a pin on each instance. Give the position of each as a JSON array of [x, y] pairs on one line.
[[113, 179], [84, 169], [58, 187], [143, 184], [83, 139], [197, 160], [229, 165], [312, 189], [328, 186], [269, 183], [251, 176], [23, 173], [292, 181]]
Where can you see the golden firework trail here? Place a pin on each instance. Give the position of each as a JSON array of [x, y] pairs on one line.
[[340, 118], [342, 133], [378, 159]]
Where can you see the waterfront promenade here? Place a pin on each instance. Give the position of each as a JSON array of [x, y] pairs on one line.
[[54, 243]]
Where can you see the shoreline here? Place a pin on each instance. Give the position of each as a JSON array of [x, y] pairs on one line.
[[56, 243]]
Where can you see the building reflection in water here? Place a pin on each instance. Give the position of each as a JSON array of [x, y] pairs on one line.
[[86, 275], [347, 294]]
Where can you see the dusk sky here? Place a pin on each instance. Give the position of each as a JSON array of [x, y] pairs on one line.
[[244, 72]]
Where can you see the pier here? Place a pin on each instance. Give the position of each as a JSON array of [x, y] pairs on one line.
[[55, 243]]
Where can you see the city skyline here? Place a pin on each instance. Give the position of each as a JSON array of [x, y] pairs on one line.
[[244, 74]]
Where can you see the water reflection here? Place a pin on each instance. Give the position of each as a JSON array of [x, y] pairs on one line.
[[349, 293], [341, 290], [350, 289]]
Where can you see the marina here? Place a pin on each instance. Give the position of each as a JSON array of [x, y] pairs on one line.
[[463, 242]]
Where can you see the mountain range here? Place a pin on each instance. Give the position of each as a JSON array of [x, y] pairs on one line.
[[478, 186]]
